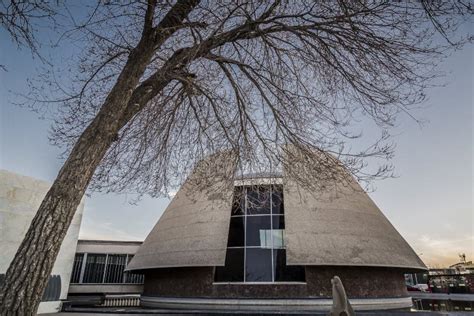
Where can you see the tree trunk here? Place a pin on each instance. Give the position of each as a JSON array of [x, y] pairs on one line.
[[28, 273]]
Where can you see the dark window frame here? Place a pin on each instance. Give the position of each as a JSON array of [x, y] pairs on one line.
[[126, 278], [279, 273]]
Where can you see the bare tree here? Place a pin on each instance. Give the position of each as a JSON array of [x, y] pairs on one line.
[[20, 20], [160, 85]]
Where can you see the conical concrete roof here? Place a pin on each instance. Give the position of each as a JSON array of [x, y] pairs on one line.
[[339, 226], [194, 227]]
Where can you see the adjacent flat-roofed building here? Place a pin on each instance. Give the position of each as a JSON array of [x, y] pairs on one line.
[[99, 271], [265, 242]]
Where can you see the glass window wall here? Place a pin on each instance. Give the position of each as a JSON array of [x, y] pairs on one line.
[[256, 249], [103, 268]]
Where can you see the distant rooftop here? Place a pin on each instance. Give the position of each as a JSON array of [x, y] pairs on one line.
[[96, 241]]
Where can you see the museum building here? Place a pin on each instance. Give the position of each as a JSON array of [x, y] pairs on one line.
[[264, 242]]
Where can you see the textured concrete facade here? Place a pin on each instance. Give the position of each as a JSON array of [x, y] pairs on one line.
[[340, 226], [360, 282], [194, 228], [20, 197]]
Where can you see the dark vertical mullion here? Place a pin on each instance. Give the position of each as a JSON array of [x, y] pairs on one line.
[[115, 266], [111, 259], [118, 267], [124, 274], [245, 232], [271, 231], [123, 259], [77, 268], [118, 264]]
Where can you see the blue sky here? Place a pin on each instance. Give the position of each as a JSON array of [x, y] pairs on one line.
[[430, 202]]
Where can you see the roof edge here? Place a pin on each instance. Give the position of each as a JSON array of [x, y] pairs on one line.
[[109, 241], [175, 266], [411, 268]]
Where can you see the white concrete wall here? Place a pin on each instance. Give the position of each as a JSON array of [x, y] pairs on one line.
[[20, 197]]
